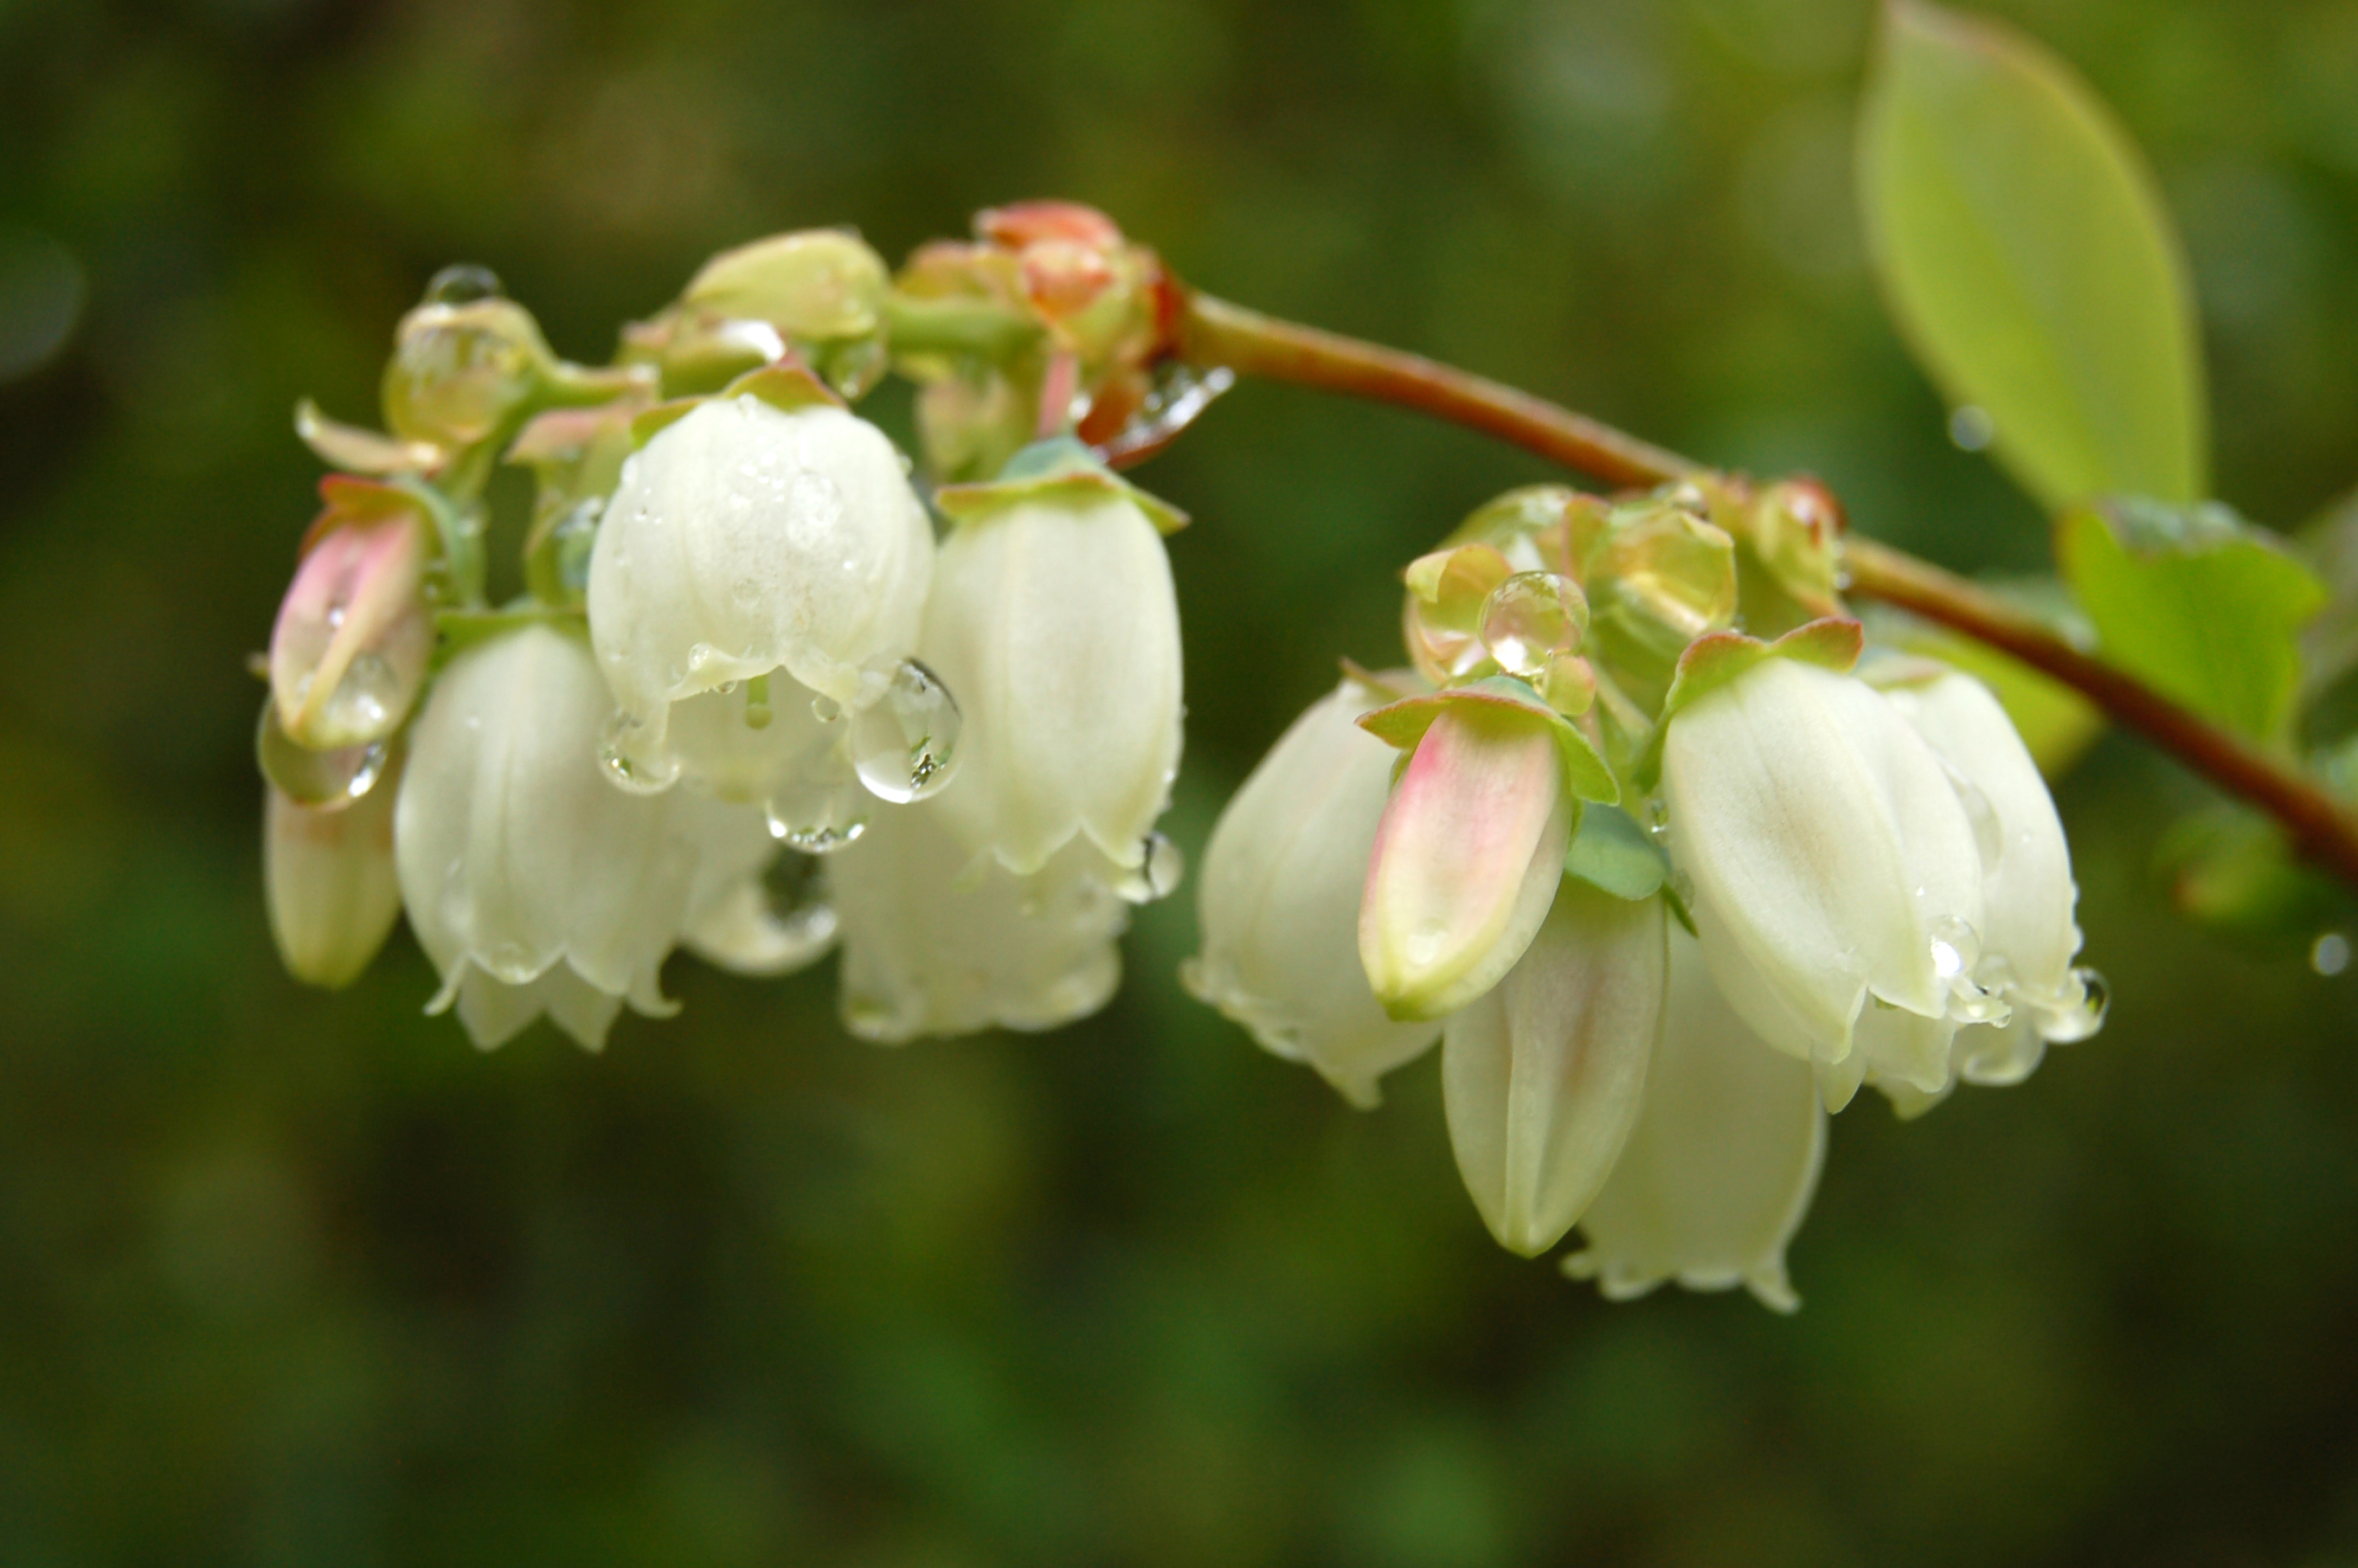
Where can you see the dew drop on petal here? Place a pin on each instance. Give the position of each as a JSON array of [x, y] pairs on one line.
[[1157, 873], [1956, 948], [904, 744], [1529, 619], [825, 709], [324, 780], [627, 766]]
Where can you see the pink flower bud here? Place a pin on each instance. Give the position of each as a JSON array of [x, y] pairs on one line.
[[353, 634], [1466, 858]]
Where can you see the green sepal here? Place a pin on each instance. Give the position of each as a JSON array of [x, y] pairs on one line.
[[1711, 662], [1585, 775], [456, 631], [355, 449], [785, 386], [1059, 464], [644, 426], [1613, 854]]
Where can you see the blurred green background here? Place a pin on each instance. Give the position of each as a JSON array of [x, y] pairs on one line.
[[287, 1278]]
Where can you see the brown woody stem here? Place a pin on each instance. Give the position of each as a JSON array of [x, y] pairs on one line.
[[1210, 331]]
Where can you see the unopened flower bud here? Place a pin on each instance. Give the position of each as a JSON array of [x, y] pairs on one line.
[[1543, 1074], [1055, 619], [353, 634], [1718, 1172], [328, 876], [1280, 900], [816, 285], [1466, 860], [459, 370]]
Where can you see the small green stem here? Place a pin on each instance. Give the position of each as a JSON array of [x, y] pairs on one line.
[[978, 328], [1213, 332]]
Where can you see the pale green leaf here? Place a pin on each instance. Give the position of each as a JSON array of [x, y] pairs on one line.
[[2202, 607], [2029, 260]]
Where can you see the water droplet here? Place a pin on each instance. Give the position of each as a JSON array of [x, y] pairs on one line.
[[462, 284], [904, 744], [1956, 948], [1971, 429], [576, 539], [1531, 619], [1156, 874], [818, 816], [628, 766], [324, 780], [2079, 1022], [825, 709], [1180, 394], [2329, 954]]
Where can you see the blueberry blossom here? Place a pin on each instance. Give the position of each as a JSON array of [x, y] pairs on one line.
[[531, 881], [1053, 620], [1718, 1169], [749, 541], [1280, 895]]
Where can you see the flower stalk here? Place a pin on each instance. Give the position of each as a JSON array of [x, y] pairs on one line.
[[1209, 332]]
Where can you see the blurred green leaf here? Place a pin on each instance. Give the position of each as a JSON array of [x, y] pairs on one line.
[[2028, 261], [2233, 870], [2204, 606], [2330, 644]]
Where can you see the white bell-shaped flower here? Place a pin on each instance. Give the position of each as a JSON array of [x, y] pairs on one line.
[[2027, 937], [746, 538], [938, 940], [1280, 901], [1544, 1075], [1719, 1169], [1053, 620], [1833, 867], [531, 880]]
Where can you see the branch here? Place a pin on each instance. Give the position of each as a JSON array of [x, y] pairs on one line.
[[1210, 331]]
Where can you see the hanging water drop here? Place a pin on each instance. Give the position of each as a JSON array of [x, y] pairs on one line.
[[627, 767], [904, 744], [1157, 873], [1531, 620], [2080, 1021], [324, 780], [1956, 948], [817, 817]]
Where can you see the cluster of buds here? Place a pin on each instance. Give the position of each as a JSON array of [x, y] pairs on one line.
[[749, 704], [1668, 891]]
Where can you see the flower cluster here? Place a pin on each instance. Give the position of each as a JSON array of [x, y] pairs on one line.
[[1667, 893], [749, 704]]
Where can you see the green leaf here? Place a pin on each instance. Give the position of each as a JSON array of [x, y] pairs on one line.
[[2232, 870], [2203, 607], [2029, 260]]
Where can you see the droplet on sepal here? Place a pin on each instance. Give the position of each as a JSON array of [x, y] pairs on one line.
[[1531, 619], [904, 744], [324, 780], [1156, 874], [629, 770], [463, 283]]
